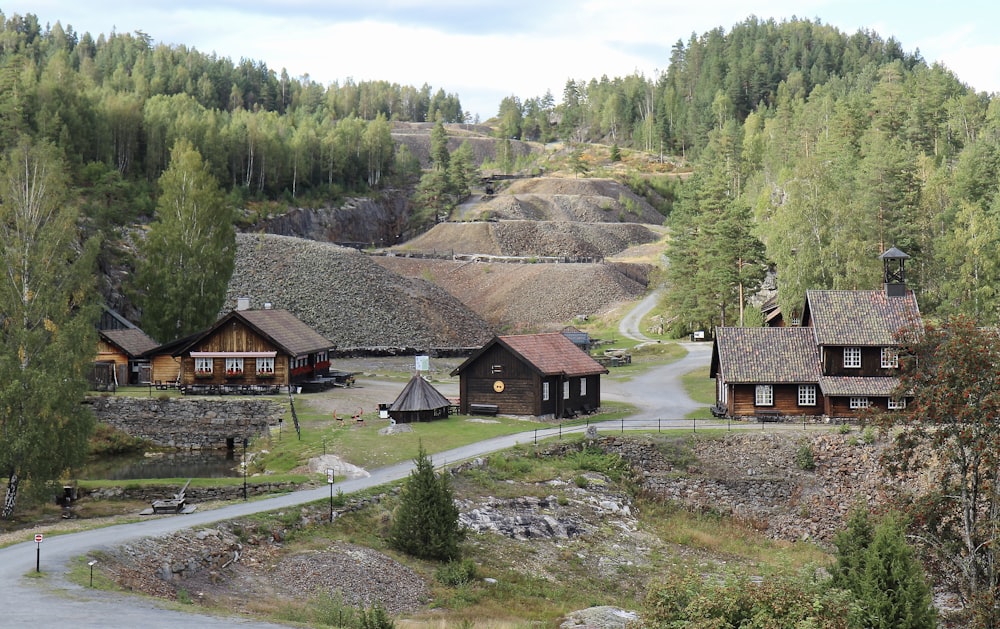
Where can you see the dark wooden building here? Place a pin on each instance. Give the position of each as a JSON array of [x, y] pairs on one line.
[[419, 401], [841, 361], [254, 347], [542, 375]]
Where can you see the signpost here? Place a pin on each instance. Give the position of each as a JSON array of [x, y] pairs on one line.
[[38, 552], [329, 480]]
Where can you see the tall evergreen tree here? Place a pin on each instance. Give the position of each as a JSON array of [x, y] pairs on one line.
[[425, 523], [48, 335], [188, 256]]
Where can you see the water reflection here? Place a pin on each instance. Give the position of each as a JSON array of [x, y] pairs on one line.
[[181, 464]]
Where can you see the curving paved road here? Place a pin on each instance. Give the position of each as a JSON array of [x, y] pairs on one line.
[[629, 325], [53, 601]]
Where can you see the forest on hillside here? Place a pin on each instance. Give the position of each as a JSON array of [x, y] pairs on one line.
[[812, 150]]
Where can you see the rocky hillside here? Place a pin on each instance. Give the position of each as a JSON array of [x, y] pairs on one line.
[[350, 299], [524, 297], [554, 529]]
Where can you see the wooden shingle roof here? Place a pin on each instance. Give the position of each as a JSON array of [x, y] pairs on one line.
[[132, 341], [549, 354], [286, 330], [858, 317], [854, 386], [419, 395], [283, 328], [765, 355]]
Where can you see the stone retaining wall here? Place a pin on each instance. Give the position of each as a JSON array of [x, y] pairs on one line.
[[188, 423]]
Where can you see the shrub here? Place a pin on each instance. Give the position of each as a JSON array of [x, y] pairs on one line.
[[375, 618], [868, 436], [804, 457], [689, 600], [456, 573], [877, 565]]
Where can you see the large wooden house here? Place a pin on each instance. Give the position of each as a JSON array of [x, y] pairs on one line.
[[842, 360], [247, 348], [530, 374]]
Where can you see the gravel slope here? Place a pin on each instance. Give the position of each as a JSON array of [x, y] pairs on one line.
[[348, 298], [524, 297]]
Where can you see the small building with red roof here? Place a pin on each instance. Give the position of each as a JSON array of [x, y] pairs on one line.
[[541, 375]]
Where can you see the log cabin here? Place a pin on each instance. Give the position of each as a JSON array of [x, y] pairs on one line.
[[247, 348], [541, 375], [839, 362], [125, 349]]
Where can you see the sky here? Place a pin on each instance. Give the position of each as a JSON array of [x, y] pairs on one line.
[[484, 51]]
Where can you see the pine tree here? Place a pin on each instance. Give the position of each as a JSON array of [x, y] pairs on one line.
[[879, 568], [48, 337], [425, 523], [190, 250]]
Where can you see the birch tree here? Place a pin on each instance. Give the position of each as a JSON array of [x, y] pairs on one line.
[[48, 313], [188, 256]]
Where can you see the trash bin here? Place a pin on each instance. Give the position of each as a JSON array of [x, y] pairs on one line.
[[383, 411]]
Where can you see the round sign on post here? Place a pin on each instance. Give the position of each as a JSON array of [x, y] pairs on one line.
[[38, 538]]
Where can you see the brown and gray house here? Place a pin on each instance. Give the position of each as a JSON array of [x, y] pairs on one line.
[[842, 360], [253, 347], [530, 374]]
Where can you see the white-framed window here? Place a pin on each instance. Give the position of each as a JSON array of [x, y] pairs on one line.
[[234, 366], [807, 395], [265, 365], [566, 389], [897, 405], [495, 369], [545, 391], [203, 365], [583, 387], [764, 395], [852, 357], [858, 403], [890, 358]]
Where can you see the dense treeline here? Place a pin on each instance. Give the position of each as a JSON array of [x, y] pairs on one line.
[[116, 105], [828, 169], [674, 112]]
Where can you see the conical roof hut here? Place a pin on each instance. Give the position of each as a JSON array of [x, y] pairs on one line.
[[419, 402]]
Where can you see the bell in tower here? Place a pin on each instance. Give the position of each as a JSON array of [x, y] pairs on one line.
[[893, 262]]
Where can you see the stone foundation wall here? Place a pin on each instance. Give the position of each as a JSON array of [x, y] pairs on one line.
[[188, 423]]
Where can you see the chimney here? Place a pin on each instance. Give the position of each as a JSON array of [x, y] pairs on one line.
[[243, 303], [267, 305], [893, 262]]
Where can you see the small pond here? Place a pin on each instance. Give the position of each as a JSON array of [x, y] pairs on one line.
[[181, 464]]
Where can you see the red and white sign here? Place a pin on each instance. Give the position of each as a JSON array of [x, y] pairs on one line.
[[38, 538]]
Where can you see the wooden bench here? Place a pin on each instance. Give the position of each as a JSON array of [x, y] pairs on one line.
[[484, 409], [765, 415]]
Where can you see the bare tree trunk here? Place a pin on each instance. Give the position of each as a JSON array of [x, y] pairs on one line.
[[10, 499]]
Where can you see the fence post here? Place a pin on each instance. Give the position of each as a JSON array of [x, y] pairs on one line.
[[623, 425]]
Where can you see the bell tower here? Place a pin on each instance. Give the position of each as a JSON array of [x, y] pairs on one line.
[[894, 274]]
